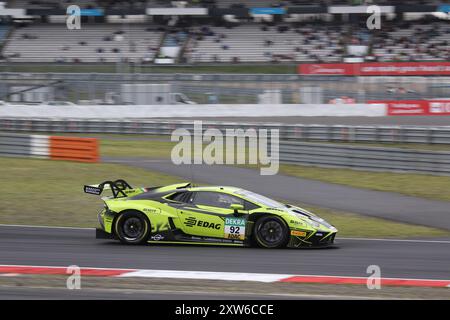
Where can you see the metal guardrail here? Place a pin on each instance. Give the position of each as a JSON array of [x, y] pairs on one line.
[[15, 145], [291, 150], [365, 158], [22, 145], [297, 132]]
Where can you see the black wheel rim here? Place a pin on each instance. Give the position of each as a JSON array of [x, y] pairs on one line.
[[271, 232], [133, 228]]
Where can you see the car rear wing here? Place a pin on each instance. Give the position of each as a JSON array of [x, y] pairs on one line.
[[117, 188]]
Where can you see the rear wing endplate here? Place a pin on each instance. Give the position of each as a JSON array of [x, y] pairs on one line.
[[117, 188]]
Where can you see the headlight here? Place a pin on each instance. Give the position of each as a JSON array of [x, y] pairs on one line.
[[314, 223]]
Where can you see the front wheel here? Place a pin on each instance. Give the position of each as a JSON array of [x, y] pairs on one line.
[[271, 232], [132, 228]]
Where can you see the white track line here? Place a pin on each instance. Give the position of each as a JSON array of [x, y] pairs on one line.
[[206, 275]]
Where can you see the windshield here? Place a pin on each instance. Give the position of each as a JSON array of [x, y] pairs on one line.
[[254, 197]]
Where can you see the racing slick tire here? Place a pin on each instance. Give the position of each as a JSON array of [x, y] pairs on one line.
[[132, 227], [271, 232]]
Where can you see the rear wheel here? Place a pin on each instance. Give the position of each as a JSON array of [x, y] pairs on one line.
[[132, 227], [271, 232]]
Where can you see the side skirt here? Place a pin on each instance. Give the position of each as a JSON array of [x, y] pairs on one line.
[[178, 236], [197, 243]]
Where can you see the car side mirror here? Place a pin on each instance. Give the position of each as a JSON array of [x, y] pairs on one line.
[[236, 207]]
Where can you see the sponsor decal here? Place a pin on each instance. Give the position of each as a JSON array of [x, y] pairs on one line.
[[377, 69], [92, 190], [191, 221], [300, 223], [91, 12], [326, 69], [444, 8], [416, 107], [267, 11], [157, 237], [406, 108], [298, 233], [442, 107], [235, 228]]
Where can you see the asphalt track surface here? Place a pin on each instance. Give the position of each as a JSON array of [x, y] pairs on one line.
[[354, 121], [43, 246], [385, 205]]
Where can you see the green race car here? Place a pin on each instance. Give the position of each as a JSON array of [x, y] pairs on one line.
[[182, 213]]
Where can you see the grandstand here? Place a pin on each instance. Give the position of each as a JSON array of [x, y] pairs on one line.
[[107, 42], [257, 43], [413, 42], [229, 35], [4, 29], [93, 43], [126, 34], [49, 4]]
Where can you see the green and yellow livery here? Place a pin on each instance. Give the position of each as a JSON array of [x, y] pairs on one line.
[[214, 215]]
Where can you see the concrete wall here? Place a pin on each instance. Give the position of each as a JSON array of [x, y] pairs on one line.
[[193, 111]]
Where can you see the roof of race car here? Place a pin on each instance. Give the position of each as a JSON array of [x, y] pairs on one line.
[[157, 193], [214, 188]]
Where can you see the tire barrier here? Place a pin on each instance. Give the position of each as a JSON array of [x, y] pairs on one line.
[[49, 147]]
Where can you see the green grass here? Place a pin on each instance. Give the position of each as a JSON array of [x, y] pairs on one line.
[[153, 149], [43, 192], [416, 185]]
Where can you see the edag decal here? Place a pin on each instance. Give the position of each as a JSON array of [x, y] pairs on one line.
[[191, 221]]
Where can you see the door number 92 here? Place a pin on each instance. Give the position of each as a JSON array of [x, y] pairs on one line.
[[235, 230]]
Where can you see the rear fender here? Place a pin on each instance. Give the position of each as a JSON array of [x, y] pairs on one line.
[[153, 210]]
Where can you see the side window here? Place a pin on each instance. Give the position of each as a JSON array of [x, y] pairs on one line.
[[189, 197], [184, 196], [177, 196], [216, 199], [249, 206]]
